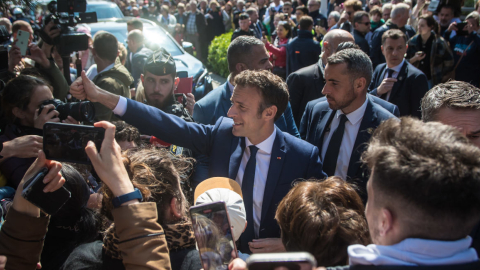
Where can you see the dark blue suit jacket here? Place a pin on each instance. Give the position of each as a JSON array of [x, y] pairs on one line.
[[215, 105], [407, 92], [302, 51], [317, 120], [291, 157]]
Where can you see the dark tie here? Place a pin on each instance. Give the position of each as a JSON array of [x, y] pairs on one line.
[[331, 156], [389, 75], [247, 190]]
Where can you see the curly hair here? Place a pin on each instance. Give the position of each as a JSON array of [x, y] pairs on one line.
[[156, 173], [323, 218], [126, 132]]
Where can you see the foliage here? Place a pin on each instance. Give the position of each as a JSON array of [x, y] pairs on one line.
[[217, 54]]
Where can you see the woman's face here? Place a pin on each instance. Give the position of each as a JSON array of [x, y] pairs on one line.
[[39, 95], [213, 7], [281, 31], [376, 17], [276, 21], [423, 28], [331, 21]]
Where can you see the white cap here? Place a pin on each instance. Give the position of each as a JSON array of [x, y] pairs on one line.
[[233, 202]]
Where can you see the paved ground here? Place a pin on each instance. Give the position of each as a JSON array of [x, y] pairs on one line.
[[217, 80]]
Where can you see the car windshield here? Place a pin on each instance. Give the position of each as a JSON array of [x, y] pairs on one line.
[[105, 11], [155, 39]]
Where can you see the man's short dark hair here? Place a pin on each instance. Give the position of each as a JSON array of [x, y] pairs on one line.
[[428, 174], [273, 89], [240, 50], [305, 22], [347, 45], [453, 95], [243, 16], [105, 45], [393, 34], [136, 23], [376, 10], [303, 9], [358, 63], [358, 17]]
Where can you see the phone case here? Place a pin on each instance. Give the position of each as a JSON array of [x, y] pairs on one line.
[[22, 41], [49, 202]]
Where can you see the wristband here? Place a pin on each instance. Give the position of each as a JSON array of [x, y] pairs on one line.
[[118, 201]]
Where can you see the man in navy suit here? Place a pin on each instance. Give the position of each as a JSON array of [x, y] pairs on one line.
[[244, 53], [259, 98], [340, 126], [397, 81]]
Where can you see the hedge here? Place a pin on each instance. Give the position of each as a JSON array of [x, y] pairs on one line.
[[217, 54]]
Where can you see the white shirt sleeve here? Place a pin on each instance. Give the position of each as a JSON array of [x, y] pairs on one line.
[[121, 107]]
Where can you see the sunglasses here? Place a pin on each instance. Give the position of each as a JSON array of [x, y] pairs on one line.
[[366, 23]]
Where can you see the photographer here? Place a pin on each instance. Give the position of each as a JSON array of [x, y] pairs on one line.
[[22, 234], [21, 100]]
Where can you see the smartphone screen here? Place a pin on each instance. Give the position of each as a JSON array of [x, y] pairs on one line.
[[460, 27], [65, 142], [213, 233]]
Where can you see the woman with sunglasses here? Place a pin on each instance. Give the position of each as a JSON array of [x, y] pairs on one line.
[[278, 50]]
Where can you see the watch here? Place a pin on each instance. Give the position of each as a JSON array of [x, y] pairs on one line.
[[117, 201]]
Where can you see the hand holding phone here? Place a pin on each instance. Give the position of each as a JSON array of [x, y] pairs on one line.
[[53, 180]]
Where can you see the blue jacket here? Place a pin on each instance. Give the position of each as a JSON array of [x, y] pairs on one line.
[[302, 51], [291, 157], [317, 119], [215, 105]]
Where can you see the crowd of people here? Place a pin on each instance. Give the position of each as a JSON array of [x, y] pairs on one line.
[[354, 137]]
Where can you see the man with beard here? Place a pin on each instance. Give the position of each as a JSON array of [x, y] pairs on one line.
[[159, 82], [339, 125]]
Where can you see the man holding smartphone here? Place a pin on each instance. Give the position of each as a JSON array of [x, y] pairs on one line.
[[234, 145]]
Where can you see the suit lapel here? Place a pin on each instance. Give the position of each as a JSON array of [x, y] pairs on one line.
[[324, 124], [362, 138], [225, 102], [276, 163], [319, 77], [235, 158], [400, 80]]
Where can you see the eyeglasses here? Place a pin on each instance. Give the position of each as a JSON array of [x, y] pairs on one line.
[[366, 23]]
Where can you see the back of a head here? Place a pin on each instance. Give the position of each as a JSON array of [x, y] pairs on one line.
[[306, 22], [427, 175], [355, 4], [347, 45], [136, 24], [387, 6], [6, 22], [358, 63], [272, 89], [136, 35], [399, 10], [337, 36], [454, 95], [105, 45], [17, 25], [157, 174], [323, 218], [240, 50]]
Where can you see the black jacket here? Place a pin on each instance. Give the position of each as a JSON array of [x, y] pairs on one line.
[[305, 85], [200, 22], [361, 41], [239, 32], [316, 15], [181, 19], [302, 51], [407, 92], [376, 43]]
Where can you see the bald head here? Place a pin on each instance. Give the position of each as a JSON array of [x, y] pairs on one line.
[[331, 41]]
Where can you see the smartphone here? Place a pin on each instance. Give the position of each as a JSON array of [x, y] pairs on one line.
[[433, 5], [49, 202], [419, 53], [321, 23], [22, 41], [284, 261], [460, 27], [66, 142], [214, 235]]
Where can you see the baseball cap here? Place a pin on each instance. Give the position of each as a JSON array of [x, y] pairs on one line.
[[224, 189]]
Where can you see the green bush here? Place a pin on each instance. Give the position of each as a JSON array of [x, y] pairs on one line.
[[217, 54]]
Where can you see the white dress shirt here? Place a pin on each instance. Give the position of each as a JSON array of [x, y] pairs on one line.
[[261, 173], [396, 71], [348, 141]]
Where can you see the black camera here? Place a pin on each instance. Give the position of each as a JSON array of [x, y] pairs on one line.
[[83, 111]]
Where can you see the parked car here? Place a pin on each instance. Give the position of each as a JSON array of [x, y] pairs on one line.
[[155, 38], [104, 9]]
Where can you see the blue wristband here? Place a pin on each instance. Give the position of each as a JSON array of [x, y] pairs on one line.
[[118, 201]]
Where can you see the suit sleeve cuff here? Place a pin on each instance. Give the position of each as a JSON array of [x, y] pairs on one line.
[[121, 107]]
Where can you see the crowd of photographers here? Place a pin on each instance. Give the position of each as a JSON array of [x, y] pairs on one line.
[[362, 164]]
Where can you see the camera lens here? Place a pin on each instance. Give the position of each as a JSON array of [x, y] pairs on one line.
[[80, 111]]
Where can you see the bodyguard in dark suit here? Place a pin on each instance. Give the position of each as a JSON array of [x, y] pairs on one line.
[[244, 53], [306, 84], [400, 15], [397, 81], [341, 125], [302, 51], [246, 147], [140, 54], [361, 22]]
